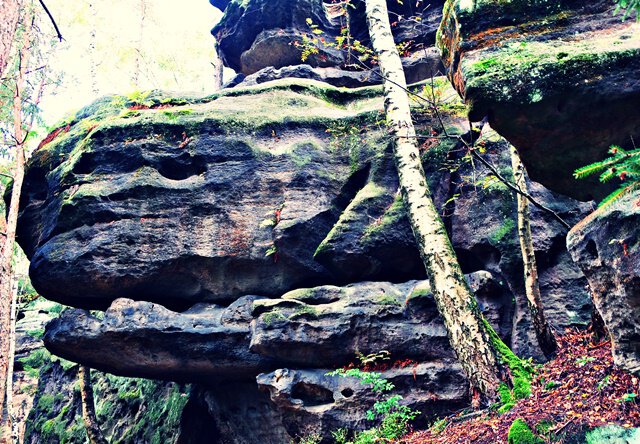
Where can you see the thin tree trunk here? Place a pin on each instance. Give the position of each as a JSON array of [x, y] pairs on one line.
[[93, 66], [218, 67], [138, 63], [9, 15], [88, 409], [12, 219], [11, 416], [546, 339], [468, 333]]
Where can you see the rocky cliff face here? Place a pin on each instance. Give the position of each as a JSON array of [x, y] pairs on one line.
[[558, 79], [250, 241], [258, 233], [606, 245], [259, 37]]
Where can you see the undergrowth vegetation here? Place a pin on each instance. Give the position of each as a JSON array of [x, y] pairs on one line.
[[580, 396], [392, 417]]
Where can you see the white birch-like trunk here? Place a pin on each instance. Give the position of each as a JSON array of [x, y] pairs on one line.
[[467, 330], [544, 334]]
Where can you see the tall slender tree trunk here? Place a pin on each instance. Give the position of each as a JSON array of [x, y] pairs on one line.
[[93, 66], [9, 15], [468, 333], [11, 414], [88, 408], [218, 67], [142, 5], [544, 334], [12, 219]]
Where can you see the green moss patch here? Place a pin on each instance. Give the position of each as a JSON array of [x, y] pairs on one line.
[[525, 72], [520, 433]]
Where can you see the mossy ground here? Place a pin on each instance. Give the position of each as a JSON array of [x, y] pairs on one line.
[[520, 433]]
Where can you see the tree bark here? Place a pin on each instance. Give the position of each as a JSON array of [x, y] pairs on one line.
[[142, 6], [10, 13], [93, 66], [468, 332], [544, 334], [12, 219], [88, 408], [11, 416]]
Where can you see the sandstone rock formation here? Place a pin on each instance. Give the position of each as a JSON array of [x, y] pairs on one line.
[[606, 245], [257, 37], [559, 80], [258, 231]]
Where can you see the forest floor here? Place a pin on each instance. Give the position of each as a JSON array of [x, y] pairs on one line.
[[579, 390]]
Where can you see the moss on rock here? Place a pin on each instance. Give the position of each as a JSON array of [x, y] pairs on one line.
[[520, 433]]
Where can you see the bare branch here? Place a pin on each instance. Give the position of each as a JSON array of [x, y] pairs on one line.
[[511, 186], [53, 21]]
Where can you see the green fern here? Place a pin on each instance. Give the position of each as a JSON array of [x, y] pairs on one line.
[[623, 165]]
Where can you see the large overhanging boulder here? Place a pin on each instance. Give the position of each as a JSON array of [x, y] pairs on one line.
[[558, 79], [246, 193], [205, 201]]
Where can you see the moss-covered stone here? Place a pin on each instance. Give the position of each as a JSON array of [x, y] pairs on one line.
[[554, 77], [520, 433], [523, 72]]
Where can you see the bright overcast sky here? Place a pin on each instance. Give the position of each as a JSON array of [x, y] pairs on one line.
[[176, 50]]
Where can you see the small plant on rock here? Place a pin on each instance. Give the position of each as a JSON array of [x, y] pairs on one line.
[[394, 418]]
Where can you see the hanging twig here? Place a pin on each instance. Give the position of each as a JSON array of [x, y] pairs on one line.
[[53, 21], [518, 190]]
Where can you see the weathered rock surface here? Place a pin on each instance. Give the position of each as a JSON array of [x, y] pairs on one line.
[[318, 327], [200, 202], [204, 342], [606, 245], [242, 415], [418, 66], [560, 80], [157, 201], [314, 327], [258, 34], [313, 403], [332, 75]]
